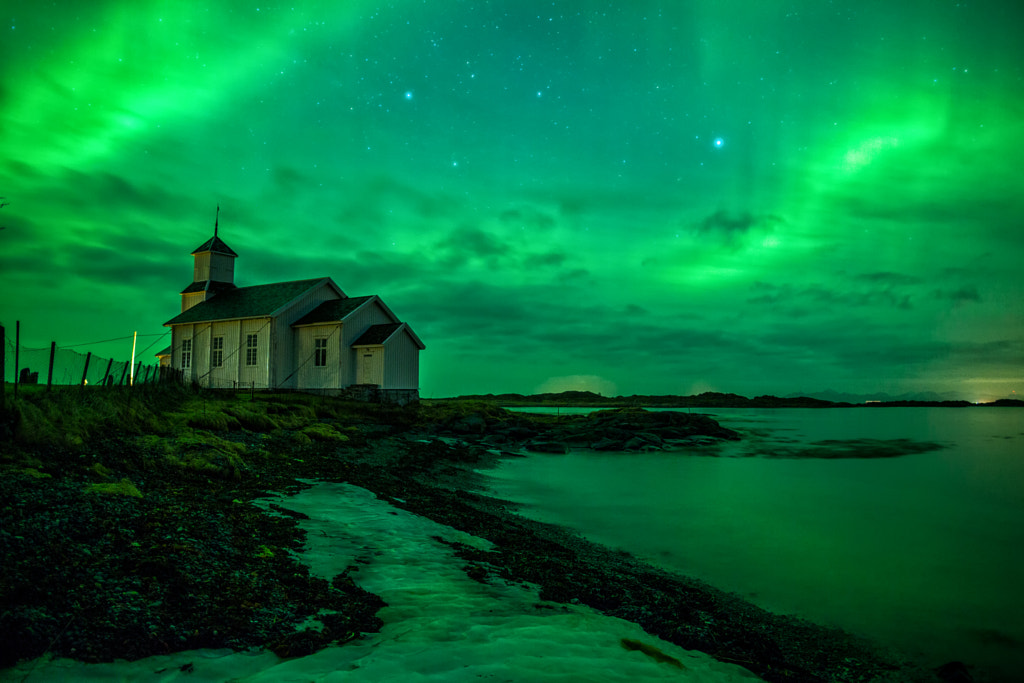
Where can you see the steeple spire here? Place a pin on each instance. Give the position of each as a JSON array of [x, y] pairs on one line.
[[213, 269]]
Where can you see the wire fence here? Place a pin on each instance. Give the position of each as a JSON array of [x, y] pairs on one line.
[[55, 365]]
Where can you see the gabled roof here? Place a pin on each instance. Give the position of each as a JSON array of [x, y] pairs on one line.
[[332, 311], [208, 286], [259, 301], [216, 245], [376, 335], [165, 352]]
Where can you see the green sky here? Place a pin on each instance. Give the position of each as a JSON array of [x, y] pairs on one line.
[[627, 197]]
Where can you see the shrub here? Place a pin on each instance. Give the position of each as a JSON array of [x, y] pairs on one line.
[[212, 419], [323, 432], [296, 416], [125, 487], [252, 420]]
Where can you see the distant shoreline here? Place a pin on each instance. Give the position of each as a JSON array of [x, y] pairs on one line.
[[587, 399]]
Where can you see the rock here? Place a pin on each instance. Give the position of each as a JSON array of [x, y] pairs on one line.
[[547, 447], [650, 438], [954, 672], [623, 429], [638, 444], [470, 424], [698, 441], [520, 433]]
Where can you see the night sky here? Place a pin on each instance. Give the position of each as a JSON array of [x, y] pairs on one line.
[[626, 197]]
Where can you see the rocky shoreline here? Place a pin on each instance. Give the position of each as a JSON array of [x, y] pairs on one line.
[[111, 553]]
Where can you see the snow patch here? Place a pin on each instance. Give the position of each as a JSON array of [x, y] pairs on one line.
[[439, 624]]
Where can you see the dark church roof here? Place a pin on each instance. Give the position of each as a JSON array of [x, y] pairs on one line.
[[208, 286], [332, 311], [258, 301], [377, 334], [216, 245]]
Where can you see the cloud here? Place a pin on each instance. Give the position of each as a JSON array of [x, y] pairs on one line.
[[467, 243], [815, 296], [960, 295], [728, 227], [528, 218], [382, 200], [889, 278]]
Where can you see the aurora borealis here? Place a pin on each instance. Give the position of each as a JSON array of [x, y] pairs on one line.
[[625, 197]]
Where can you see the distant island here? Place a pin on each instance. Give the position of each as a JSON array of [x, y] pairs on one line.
[[708, 399]]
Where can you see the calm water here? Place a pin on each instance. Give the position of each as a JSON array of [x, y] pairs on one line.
[[924, 552]]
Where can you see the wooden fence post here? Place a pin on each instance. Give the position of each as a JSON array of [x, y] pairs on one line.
[[49, 375], [138, 369], [3, 359], [124, 372], [88, 357], [106, 374], [17, 355]]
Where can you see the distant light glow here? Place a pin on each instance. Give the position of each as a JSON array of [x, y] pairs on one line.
[[719, 142]]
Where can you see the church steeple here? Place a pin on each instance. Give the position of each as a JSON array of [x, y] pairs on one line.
[[213, 269]]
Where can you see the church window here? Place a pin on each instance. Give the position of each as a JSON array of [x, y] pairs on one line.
[[320, 353], [217, 353], [250, 349]]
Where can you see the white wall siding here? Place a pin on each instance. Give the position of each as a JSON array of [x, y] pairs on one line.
[[222, 268], [225, 376], [402, 362], [283, 345], [201, 268], [254, 375], [191, 299], [310, 375], [179, 333], [201, 353]]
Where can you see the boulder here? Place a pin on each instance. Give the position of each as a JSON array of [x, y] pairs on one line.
[[614, 433], [608, 445], [638, 444], [650, 438], [547, 447], [520, 433], [954, 672], [470, 424]]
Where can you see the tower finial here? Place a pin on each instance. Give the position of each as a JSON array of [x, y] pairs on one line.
[[216, 221]]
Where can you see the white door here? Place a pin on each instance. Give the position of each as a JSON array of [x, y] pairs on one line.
[[365, 368]]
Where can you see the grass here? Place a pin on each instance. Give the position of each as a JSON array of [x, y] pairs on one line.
[[68, 417], [200, 433], [125, 487]]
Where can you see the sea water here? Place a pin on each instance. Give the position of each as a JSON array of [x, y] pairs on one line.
[[923, 552]]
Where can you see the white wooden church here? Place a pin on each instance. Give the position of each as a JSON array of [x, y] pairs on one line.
[[304, 335]]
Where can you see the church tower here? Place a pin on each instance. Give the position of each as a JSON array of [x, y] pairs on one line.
[[213, 271]]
